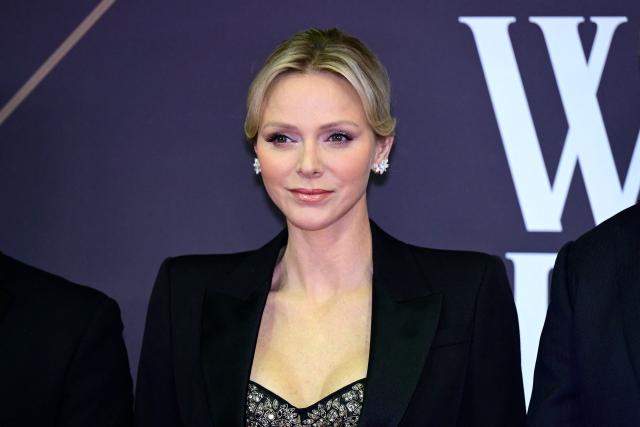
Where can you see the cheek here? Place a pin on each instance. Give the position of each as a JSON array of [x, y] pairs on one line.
[[274, 167], [270, 170], [354, 167], [273, 180], [354, 172]]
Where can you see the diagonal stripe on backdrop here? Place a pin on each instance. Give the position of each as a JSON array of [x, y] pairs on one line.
[[54, 59]]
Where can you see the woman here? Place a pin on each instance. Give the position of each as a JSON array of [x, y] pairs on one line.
[[333, 322]]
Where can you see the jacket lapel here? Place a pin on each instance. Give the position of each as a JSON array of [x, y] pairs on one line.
[[230, 324], [404, 321]]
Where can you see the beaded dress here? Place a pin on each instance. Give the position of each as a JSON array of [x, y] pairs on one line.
[[339, 409]]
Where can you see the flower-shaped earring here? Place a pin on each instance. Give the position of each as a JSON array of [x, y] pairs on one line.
[[256, 166], [380, 167]]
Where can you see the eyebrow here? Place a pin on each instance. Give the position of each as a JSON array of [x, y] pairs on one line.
[[338, 124], [325, 126]]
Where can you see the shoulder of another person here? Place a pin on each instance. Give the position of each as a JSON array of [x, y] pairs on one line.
[[621, 227], [35, 285], [593, 260]]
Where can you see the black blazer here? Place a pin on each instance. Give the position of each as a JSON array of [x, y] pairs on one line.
[[588, 367], [444, 341], [63, 362]]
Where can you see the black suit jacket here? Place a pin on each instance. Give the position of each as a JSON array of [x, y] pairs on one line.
[[444, 341], [62, 358], [588, 366]]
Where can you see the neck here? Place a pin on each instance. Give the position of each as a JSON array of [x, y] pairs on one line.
[[320, 264]]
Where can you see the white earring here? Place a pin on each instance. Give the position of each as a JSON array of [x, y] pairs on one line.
[[256, 166], [380, 167]]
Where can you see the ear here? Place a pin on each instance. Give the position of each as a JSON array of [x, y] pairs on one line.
[[383, 148]]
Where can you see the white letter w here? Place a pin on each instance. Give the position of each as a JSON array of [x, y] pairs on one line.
[[541, 200]]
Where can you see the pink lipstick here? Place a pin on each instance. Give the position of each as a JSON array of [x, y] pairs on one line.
[[310, 195]]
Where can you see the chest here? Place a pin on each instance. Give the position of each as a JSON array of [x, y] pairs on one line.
[[305, 352]]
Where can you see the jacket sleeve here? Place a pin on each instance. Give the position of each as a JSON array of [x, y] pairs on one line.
[[494, 394], [554, 400], [98, 387], [156, 400]]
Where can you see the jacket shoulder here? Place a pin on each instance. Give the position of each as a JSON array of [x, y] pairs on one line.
[[188, 273], [613, 242], [207, 264], [456, 267], [475, 289], [625, 225]]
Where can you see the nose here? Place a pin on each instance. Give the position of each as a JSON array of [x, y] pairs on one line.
[[309, 163]]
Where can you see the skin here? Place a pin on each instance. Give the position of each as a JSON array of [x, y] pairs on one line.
[[314, 135]]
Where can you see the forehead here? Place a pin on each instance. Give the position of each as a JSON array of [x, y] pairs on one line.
[[317, 95]]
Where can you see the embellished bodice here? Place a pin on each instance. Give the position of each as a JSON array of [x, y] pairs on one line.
[[340, 408]]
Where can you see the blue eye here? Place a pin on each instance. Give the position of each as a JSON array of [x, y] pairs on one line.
[[340, 137], [278, 138]]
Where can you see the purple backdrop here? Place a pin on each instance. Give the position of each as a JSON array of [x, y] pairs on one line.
[[131, 148]]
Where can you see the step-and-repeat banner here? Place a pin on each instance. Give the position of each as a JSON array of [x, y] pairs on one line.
[[121, 132]]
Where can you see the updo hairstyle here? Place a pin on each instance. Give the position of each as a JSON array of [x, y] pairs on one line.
[[330, 51]]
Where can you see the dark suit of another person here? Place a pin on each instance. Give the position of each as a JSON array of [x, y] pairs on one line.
[[63, 362], [588, 367], [444, 351]]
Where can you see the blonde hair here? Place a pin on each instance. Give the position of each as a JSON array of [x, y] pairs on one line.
[[335, 52]]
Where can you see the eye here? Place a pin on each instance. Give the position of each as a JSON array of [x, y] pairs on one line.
[[340, 137], [278, 138]]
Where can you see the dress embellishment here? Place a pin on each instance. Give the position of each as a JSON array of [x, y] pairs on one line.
[[339, 409]]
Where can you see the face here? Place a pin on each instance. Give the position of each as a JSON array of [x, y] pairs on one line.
[[316, 149]]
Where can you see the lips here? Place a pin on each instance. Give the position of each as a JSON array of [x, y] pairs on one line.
[[310, 195]]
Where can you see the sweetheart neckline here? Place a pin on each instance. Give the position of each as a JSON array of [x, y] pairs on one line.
[[322, 400]]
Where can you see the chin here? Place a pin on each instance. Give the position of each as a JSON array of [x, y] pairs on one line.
[[315, 221], [320, 218], [309, 223]]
